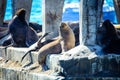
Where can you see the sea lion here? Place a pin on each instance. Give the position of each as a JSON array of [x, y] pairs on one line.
[[37, 27], [75, 28], [37, 45], [65, 42], [68, 38], [108, 38], [22, 34], [53, 47]]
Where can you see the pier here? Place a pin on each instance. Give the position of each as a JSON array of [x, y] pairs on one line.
[[79, 63]]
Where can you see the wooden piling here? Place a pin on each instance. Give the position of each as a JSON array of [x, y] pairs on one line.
[[52, 16], [26, 4], [2, 11], [90, 17]]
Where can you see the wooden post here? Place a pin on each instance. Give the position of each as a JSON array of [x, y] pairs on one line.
[[90, 17], [52, 16], [117, 9], [2, 11], [17, 4]]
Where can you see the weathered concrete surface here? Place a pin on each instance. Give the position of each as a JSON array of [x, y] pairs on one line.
[[83, 62], [26, 4], [90, 18], [13, 70], [52, 16], [15, 74], [91, 78], [2, 52], [77, 63], [16, 54], [2, 11]]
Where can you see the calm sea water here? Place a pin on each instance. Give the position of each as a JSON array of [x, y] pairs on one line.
[[70, 11]]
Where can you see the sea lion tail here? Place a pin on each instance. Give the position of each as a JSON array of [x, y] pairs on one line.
[[39, 41], [26, 54]]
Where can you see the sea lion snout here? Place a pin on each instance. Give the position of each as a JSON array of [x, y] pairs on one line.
[[21, 13], [63, 25]]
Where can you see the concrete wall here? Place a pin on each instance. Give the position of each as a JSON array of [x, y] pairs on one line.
[[2, 11], [51, 16]]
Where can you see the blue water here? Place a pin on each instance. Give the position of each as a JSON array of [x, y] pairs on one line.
[[70, 11]]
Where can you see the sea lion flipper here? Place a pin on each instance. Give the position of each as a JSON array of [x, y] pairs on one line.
[[36, 47], [25, 55]]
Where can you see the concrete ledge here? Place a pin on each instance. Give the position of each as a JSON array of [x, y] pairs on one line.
[[2, 52], [15, 54], [13, 74], [79, 61], [85, 63], [92, 78]]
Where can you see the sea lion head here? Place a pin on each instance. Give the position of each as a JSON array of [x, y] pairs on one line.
[[19, 19], [63, 26], [64, 29], [21, 14]]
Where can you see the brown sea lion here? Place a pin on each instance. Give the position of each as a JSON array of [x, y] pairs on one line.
[[65, 42], [53, 47], [37, 45], [68, 38], [22, 34], [75, 28]]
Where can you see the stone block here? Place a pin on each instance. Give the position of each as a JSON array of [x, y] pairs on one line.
[[2, 52], [15, 74], [16, 54], [92, 78], [83, 62]]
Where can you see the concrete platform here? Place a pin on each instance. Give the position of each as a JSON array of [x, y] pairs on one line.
[[16, 54], [84, 63], [14, 74], [79, 63]]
